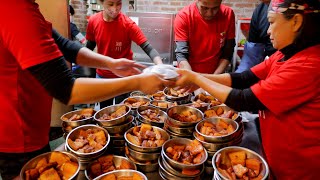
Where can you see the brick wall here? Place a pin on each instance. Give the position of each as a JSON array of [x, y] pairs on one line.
[[242, 9]]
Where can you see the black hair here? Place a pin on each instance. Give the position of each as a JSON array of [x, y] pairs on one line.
[[309, 33], [71, 10]]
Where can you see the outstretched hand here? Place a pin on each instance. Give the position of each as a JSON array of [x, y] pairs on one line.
[[124, 67], [186, 80]]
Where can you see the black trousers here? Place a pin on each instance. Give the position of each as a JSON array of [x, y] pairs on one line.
[[12, 163]]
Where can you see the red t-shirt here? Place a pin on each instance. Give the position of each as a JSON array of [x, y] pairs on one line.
[[291, 124], [25, 110], [205, 38], [114, 38]]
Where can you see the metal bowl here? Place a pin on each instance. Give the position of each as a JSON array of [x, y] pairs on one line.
[[235, 117], [187, 131], [67, 125], [145, 167], [121, 128], [141, 156], [203, 106], [212, 146], [180, 109], [111, 109], [123, 172], [75, 133], [116, 161], [158, 96], [177, 165], [137, 93], [33, 162], [164, 135], [218, 139], [160, 113], [178, 173], [249, 153], [174, 98], [139, 98], [155, 103]]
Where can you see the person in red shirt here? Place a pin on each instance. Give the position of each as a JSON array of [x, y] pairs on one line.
[[205, 36], [112, 32], [33, 70], [285, 88]]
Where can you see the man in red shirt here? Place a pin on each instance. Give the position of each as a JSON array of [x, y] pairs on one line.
[[205, 36], [33, 70], [113, 32]]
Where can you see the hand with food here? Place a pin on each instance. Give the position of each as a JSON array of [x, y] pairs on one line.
[[186, 80], [150, 83]]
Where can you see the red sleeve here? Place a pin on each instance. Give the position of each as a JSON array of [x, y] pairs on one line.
[[135, 33], [27, 35], [231, 33], [90, 28], [181, 29], [288, 86]]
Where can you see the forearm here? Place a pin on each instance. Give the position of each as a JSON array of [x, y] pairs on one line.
[[184, 65], [151, 52], [90, 90], [88, 58], [224, 78], [223, 63]]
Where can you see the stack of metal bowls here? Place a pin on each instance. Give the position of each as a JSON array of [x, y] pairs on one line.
[[125, 174], [145, 158], [117, 161], [172, 170], [179, 100], [133, 106], [158, 96], [177, 128], [33, 163], [158, 120], [116, 127], [68, 125], [213, 143], [264, 169], [162, 105], [86, 158]]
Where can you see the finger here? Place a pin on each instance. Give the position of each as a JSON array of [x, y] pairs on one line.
[[135, 71], [140, 66]]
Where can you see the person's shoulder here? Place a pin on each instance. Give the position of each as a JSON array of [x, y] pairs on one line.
[[226, 9], [124, 18], [187, 10], [95, 17]]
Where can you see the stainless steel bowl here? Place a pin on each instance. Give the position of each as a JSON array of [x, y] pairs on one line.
[[203, 106], [145, 167], [218, 139], [33, 162], [75, 133], [111, 109], [118, 143], [225, 108], [164, 135], [179, 110], [124, 172], [249, 153], [175, 135], [212, 146], [177, 165], [121, 128], [160, 113], [158, 96], [67, 125], [139, 98], [117, 160], [171, 98], [183, 131], [137, 93], [155, 103], [143, 157]]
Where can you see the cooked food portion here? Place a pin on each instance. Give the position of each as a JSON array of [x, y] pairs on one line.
[[159, 96], [186, 154], [236, 165], [177, 93], [56, 166], [133, 102], [203, 98], [118, 113], [185, 116], [220, 112], [146, 136], [83, 114], [164, 104], [135, 176], [105, 164], [152, 115], [88, 141], [197, 104], [220, 128]]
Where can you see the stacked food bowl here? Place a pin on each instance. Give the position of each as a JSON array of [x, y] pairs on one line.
[[182, 120], [136, 101], [236, 162], [143, 146], [87, 142], [116, 119], [73, 119], [177, 96], [151, 115], [122, 174], [182, 159], [106, 164], [216, 133]]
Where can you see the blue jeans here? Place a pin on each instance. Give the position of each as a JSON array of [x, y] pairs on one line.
[[253, 54]]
